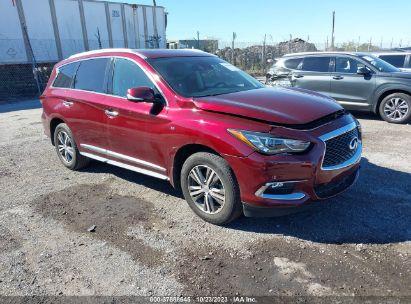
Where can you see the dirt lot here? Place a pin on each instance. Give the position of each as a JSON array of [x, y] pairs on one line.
[[148, 242]]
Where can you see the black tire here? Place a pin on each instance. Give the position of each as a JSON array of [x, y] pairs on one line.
[[387, 101], [77, 160], [232, 207]]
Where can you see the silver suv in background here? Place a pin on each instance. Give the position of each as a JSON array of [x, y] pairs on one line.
[[401, 60], [358, 81]]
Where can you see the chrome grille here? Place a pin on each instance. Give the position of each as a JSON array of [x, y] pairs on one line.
[[338, 150]]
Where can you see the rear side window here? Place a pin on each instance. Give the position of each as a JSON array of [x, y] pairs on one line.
[[395, 60], [128, 75], [65, 76], [316, 64], [293, 63], [91, 75]]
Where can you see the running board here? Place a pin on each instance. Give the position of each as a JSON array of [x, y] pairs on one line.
[[125, 166]]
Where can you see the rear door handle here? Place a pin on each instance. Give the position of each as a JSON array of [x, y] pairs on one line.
[[67, 104], [298, 76], [338, 77], [111, 113]]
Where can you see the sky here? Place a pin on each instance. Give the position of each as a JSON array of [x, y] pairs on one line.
[[355, 19]]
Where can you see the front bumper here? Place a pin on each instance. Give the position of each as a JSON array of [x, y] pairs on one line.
[[308, 179]]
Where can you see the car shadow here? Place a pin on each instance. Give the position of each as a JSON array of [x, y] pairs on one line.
[[133, 177], [377, 209], [20, 105]]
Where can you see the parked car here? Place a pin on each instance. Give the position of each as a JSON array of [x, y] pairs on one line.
[[401, 60], [229, 143], [358, 81]]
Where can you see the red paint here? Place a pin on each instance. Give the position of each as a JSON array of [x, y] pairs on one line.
[[157, 137]]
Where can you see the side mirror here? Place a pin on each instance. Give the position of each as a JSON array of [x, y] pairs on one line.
[[141, 94], [363, 71]]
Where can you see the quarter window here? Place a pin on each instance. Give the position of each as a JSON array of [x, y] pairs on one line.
[[91, 75], [65, 76], [347, 65], [316, 64], [395, 60], [128, 75]]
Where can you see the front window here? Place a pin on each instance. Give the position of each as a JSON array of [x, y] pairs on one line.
[[380, 64], [203, 76], [347, 65]]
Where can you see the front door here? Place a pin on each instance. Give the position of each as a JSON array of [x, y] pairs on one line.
[[352, 90], [136, 130]]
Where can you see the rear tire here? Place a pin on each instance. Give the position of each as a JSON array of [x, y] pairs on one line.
[[396, 108], [210, 188], [67, 150]]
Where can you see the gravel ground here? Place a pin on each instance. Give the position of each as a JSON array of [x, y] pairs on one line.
[[146, 241]]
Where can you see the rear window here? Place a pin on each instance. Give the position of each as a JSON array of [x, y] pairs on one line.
[[91, 75], [395, 60], [316, 64], [293, 63], [65, 75]]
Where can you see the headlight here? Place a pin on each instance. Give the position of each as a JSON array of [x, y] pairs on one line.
[[268, 144]]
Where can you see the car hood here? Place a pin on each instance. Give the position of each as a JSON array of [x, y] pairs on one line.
[[402, 75], [277, 105]]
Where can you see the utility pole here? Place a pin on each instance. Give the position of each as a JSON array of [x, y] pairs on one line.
[[332, 33], [381, 43], [232, 48], [392, 41], [263, 53], [369, 44], [198, 40]]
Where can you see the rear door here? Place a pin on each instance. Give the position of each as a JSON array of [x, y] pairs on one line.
[[313, 73], [349, 88], [86, 102]]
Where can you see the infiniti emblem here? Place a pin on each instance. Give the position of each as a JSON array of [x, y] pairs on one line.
[[353, 143]]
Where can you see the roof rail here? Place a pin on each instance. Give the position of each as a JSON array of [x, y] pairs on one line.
[[100, 51]]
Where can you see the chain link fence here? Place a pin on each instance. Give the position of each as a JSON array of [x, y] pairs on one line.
[[21, 81]]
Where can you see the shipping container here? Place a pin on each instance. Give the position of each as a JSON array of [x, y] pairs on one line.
[[51, 30]]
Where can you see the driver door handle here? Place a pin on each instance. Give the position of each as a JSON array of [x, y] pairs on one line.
[[111, 113], [298, 76], [338, 77]]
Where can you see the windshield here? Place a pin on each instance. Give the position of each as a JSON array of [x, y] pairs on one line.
[[380, 64], [203, 76]]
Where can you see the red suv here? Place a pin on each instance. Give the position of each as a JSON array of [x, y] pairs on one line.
[[232, 145]]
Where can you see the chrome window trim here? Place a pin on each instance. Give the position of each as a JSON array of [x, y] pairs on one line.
[[151, 77], [125, 166], [121, 156], [353, 160]]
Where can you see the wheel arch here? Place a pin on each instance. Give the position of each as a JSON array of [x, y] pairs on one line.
[[180, 157], [54, 122], [386, 93]]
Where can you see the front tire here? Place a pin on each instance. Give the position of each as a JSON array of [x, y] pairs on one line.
[[67, 150], [210, 188], [396, 108]]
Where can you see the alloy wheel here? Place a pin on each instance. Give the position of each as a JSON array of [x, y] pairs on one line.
[[65, 147], [396, 108], [206, 189]]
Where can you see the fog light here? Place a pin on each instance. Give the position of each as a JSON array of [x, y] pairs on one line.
[[279, 188]]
